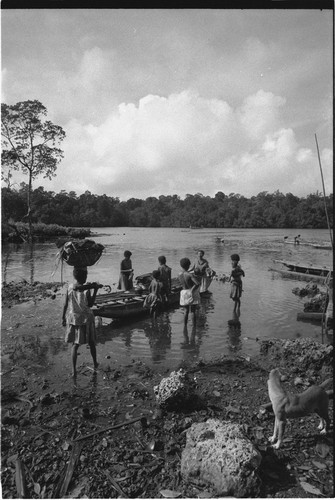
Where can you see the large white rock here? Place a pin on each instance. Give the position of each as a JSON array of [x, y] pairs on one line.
[[218, 454]]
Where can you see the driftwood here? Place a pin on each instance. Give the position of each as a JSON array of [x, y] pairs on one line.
[[268, 406], [20, 480], [117, 426], [115, 485], [65, 480]]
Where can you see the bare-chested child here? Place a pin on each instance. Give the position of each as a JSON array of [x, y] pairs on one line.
[[189, 295], [236, 281]]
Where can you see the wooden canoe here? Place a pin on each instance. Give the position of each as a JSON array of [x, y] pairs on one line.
[[286, 273], [309, 269], [321, 246], [120, 305]]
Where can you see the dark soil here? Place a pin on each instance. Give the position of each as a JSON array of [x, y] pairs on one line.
[[141, 459], [18, 292]]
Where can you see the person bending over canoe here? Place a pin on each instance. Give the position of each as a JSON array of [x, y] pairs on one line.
[[165, 277], [202, 271], [189, 295], [154, 299], [126, 273]]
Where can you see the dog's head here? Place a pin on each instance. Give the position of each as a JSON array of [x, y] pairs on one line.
[[275, 375]]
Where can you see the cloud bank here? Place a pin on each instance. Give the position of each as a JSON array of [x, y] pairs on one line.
[[174, 102], [185, 143]]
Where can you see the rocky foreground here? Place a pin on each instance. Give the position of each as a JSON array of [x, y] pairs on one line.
[[123, 444], [119, 437]]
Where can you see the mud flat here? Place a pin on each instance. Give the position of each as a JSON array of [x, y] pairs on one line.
[[104, 436]]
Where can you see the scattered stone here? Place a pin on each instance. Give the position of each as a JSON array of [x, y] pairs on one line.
[[316, 304], [298, 381], [219, 455], [310, 289], [175, 390], [302, 354]]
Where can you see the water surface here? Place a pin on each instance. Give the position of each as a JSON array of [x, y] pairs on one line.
[[268, 307]]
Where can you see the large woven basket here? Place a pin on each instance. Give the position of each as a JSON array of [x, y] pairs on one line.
[[81, 253]]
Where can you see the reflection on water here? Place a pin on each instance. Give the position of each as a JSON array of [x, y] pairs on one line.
[[234, 332], [33, 350], [27, 263], [268, 309], [190, 345]]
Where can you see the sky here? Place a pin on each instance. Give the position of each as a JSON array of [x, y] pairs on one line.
[[178, 101]]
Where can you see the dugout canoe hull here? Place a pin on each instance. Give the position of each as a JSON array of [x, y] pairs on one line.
[[286, 273], [309, 269], [122, 305]]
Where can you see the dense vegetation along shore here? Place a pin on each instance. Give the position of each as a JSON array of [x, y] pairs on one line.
[[276, 210], [18, 232]]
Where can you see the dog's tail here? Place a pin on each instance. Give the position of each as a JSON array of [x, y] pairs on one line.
[[326, 383]]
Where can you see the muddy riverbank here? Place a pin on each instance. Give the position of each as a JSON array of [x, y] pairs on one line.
[[44, 412]]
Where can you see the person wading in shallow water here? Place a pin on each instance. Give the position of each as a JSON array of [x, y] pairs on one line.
[[78, 317], [236, 281], [126, 273], [165, 277], [201, 271], [189, 296]]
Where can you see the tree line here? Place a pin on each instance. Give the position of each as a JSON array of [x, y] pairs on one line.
[[31, 144], [266, 210]]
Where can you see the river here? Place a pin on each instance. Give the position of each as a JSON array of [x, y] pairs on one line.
[[268, 306]]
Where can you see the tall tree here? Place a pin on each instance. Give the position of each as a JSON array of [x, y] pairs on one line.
[[29, 143]]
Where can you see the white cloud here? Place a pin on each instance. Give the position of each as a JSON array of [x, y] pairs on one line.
[[178, 102], [260, 113], [185, 143]]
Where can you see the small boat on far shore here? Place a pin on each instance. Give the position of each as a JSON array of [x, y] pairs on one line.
[[302, 271], [309, 269], [322, 245]]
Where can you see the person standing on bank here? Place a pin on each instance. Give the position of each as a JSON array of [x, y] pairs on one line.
[[78, 316], [189, 295], [126, 273]]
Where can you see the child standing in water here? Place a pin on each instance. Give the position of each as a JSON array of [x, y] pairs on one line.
[[236, 281], [189, 296], [78, 317]]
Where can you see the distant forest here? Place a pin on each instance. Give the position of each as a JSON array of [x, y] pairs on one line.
[[266, 210]]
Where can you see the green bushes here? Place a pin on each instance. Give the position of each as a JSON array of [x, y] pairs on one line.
[[17, 232]]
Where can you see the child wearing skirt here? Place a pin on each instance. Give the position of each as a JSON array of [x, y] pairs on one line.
[[78, 317]]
